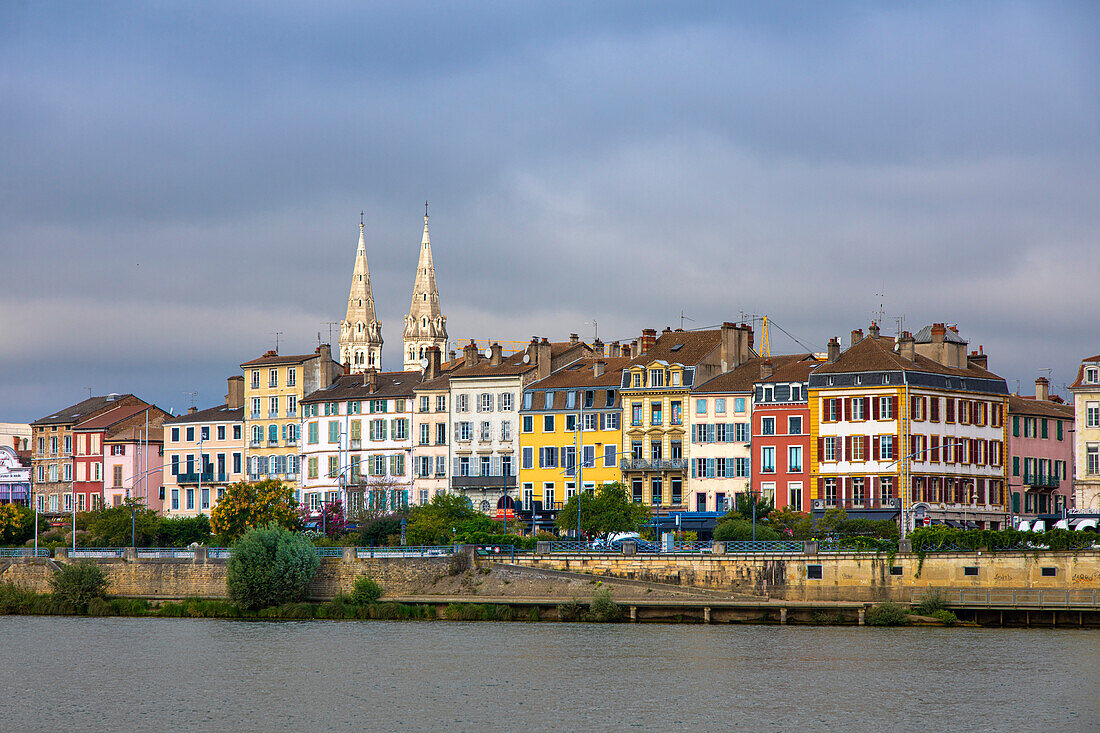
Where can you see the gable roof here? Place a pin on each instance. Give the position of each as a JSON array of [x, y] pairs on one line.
[[1018, 405], [354, 387], [580, 374], [877, 355], [115, 416], [680, 347], [83, 410], [218, 413], [273, 359], [748, 374]]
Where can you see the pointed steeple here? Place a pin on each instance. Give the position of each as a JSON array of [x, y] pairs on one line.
[[425, 324], [361, 331]]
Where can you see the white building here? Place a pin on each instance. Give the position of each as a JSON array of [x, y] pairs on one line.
[[431, 430]]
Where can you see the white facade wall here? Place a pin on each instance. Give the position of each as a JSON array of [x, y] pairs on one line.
[[491, 407]]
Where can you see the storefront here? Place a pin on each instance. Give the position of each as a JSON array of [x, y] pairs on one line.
[[15, 479]]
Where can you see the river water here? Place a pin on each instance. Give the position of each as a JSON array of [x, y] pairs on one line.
[[90, 674]]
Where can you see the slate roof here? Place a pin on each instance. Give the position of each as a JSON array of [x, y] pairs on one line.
[[924, 336], [80, 411], [354, 387], [1080, 381], [273, 359], [218, 413], [680, 347], [745, 376]]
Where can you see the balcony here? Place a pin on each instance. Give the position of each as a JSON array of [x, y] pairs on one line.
[[638, 464], [356, 443], [292, 413], [292, 441], [255, 443], [1039, 481], [486, 482], [207, 477]]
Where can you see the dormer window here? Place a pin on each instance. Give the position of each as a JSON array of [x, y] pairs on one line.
[[676, 379], [859, 379], [886, 379], [1092, 375], [656, 377], [829, 381], [637, 381]]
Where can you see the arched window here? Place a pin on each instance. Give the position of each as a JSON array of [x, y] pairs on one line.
[[257, 434]]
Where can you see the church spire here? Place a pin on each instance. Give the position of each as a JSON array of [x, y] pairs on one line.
[[361, 331], [425, 325]]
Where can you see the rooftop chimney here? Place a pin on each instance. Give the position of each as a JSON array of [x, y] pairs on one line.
[[597, 368], [234, 396], [978, 359], [625, 351], [192, 410], [872, 331], [434, 367], [736, 345], [496, 354], [370, 380], [614, 350], [649, 337], [598, 347], [452, 355], [347, 368], [766, 368], [906, 346], [857, 336], [573, 339], [1042, 389], [667, 330], [470, 354], [834, 349]]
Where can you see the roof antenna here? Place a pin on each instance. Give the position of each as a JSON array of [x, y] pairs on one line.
[[595, 327], [277, 335], [89, 392], [361, 221], [192, 395], [684, 318]]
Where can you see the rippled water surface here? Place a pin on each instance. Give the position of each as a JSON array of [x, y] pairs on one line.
[[175, 674]]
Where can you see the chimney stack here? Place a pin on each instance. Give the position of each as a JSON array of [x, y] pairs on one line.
[[649, 337], [574, 339], [857, 336], [598, 347], [452, 355], [234, 396], [543, 361], [736, 345], [370, 380], [614, 350], [1042, 389], [347, 368], [834, 349], [978, 359], [470, 354], [597, 368], [766, 368], [906, 346], [496, 354], [872, 331], [667, 330], [192, 410], [625, 351], [434, 367]]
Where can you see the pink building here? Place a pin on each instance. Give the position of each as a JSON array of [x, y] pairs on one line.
[[132, 466], [1040, 449]]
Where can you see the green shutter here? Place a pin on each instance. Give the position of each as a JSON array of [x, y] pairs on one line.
[[1016, 428], [1015, 465], [1044, 428], [1015, 502], [1059, 423]]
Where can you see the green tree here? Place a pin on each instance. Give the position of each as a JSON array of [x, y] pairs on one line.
[[607, 511], [182, 531], [792, 524], [443, 518], [379, 531], [744, 505], [247, 505], [740, 530], [78, 584], [116, 526], [17, 524], [826, 525], [271, 565]]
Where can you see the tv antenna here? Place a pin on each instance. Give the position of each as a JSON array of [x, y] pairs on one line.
[[330, 324], [880, 314], [192, 396], [684, 318], [595, 329], [277, 335]]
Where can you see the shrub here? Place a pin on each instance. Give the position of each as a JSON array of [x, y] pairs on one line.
[[603, 609], [930, 604], [182, 531], [365, 591], [947, 617], [17, 524], [100, 607], [270, 566], [887, 614], [78, 584], [15, 599], [460, 563], [739, 530], [572, 610]]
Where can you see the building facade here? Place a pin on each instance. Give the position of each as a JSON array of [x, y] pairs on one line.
[[719, 422], [1040, 453], [425, 324], [656, 389], [52, 441], [273, 387], [570, 432], [1086, 440], [132, 466], [95, 437], [781, 431], [357, 443], [894, 431], [360, 331], [15, 477], [431, 429], [204, 452]]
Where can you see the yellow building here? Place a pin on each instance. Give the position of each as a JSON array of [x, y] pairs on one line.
[[574, 410], [273, 386], [656, 391]]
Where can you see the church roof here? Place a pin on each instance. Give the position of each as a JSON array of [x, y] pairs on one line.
[[360, 296]]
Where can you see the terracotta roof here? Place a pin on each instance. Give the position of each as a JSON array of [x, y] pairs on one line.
[[440, 382], [878, 355], [354, 387], [1018, 405], [1080, 381], [745, 376], [273, 359], [81, 410], [796, 370], [218, 413], [579, 374], [134, 434], [115, 416], [680, 347]]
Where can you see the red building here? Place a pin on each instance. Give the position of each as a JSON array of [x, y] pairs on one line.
[[781, 432], [88, 441]]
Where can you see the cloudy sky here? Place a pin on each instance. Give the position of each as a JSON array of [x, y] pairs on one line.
[[182, 180]]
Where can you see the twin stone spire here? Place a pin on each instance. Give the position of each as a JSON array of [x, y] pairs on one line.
[[425, 325]]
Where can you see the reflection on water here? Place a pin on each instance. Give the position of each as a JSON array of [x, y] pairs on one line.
[[168, 674]]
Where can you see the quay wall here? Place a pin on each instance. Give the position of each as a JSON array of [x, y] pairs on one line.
[[844, 577]]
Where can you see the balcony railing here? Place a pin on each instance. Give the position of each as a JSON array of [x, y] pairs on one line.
[[255, 443], [356, 443], [1040, 481], [638, 464], [207, 477]]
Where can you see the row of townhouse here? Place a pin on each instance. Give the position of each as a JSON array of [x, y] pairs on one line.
[[912, 426]]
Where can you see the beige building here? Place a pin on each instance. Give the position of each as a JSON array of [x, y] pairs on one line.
[[203, 453], [431, 429], [1086, 439], [361, 330], [425, 325]]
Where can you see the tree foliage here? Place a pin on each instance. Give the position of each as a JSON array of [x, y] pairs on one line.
[[78, 584], [183, 531], [740, 530], [112, 526], [745, 503], [791, 524], [329, 519], [380, 531], [271, 565], [17, 524], [604, 512], [248, 505], [443, 519]]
